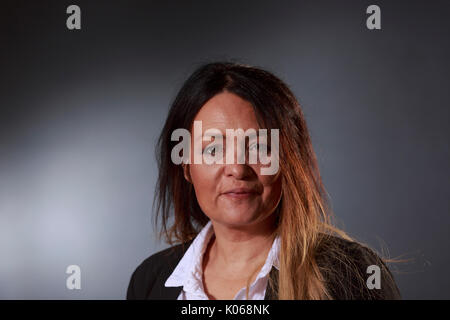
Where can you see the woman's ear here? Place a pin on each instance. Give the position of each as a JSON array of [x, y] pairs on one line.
[[187, 174]]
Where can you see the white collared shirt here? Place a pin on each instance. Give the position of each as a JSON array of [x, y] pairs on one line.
[[188, 273]]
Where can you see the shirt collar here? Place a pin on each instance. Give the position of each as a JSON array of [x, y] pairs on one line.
[[189, 269], [188, 272]]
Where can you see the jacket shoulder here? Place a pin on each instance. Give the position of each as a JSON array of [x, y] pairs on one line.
[[345, 266], [153, 269]]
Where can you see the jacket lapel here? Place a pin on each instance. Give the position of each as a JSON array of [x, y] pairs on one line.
[[170, 293]]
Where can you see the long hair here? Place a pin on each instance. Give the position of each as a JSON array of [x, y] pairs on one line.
[[303, 212]]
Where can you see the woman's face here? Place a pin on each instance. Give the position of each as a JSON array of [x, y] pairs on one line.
[[236, 195]]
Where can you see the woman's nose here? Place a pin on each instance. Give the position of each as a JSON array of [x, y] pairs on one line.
[[236, 162], [238, 171]]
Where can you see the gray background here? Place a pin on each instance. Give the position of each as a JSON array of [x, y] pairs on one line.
[[81, 111]]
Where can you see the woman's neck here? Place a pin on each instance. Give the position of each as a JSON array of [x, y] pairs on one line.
[[241, 247]]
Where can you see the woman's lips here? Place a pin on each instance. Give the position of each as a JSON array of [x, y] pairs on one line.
[[239, 195]]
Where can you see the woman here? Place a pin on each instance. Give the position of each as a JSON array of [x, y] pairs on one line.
[[243, 234]]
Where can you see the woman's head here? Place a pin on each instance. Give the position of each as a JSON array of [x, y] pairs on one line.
[[231, 96], [233, 194]]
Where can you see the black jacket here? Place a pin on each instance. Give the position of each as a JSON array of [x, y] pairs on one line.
[[344, 281]]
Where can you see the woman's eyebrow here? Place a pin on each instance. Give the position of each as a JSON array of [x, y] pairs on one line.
[[209, 134], [252, 135]]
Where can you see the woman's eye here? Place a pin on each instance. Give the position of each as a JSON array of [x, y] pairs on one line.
[[211, 150]]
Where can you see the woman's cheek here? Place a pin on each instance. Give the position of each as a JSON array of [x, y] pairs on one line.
[[272, 186], [268, 180], [203, 178]]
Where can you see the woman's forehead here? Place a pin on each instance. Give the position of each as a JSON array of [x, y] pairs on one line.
[[227, 111]]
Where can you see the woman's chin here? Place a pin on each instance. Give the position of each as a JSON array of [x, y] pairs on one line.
[[237, 219]]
